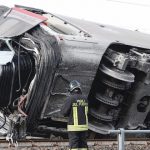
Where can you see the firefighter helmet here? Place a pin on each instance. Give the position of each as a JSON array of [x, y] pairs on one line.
[[74, 85]]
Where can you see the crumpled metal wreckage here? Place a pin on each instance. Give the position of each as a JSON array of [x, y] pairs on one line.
[[40, 53]]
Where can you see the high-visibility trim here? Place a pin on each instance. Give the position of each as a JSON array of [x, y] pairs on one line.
[[86, 114], [77, 127], [75, 115]]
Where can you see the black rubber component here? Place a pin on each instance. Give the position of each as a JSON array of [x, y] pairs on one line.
[[9, 78]]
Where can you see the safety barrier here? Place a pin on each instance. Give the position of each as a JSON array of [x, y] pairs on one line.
[[121, 135]]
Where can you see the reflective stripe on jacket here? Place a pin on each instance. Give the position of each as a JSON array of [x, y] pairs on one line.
[[76, 108]]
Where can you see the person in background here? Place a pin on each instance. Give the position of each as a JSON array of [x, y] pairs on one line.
[[76, 109]]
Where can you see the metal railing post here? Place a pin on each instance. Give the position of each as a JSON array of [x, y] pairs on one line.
[[121, 135], [121, 138]]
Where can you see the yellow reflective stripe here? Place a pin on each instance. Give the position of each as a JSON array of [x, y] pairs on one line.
[[77, 128], [75, 115], [86, 114]]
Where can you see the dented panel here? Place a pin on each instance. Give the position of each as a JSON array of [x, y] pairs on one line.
[[17, 21]]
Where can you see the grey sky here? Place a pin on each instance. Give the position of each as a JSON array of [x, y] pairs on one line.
[[131, 14]]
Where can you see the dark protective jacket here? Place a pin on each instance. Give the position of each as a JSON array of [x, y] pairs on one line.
[[76, 108]]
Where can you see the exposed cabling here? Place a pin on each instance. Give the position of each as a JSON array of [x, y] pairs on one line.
[[45, 69], [18, 73], [19, 77], [3, 119]]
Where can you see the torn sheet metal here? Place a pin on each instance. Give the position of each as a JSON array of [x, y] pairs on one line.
[[17, 21], [5, 57]]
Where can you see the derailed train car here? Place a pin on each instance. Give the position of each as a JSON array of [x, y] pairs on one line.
[[40, 53]]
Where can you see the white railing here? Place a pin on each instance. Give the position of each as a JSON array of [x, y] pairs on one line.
[[121, 135]]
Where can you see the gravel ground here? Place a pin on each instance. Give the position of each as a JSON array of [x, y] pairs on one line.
[[129, 147], [113, 146]]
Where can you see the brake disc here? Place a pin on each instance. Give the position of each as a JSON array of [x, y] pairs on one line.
[[100, 116], [115, 84], [106, 100], [117, 74], [100, 127]]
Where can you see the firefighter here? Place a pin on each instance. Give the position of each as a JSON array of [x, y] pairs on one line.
[[76, 109]]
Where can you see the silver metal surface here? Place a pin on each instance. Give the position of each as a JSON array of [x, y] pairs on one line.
[[121, 136], [3, 131], [130, 131], [121, 140], [118, 74], [5, 57]]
